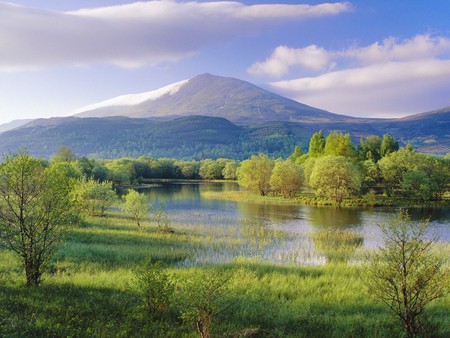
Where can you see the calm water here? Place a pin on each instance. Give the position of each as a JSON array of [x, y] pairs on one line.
[[309, 235]]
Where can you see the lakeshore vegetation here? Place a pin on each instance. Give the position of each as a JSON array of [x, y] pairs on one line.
[[117, 268]]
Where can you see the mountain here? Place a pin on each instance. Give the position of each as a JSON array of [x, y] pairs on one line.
[[13, 124], [197, 137], [240, 119], [209, 95]]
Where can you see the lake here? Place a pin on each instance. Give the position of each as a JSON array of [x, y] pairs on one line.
[[279, 233]]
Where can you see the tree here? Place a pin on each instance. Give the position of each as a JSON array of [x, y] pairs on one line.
[[338, 144], [229, 171], [35, 209], [335, 177], [316, 144], [287, 177], [93, 197], [154, 286], [370, 148], [210, 169], [203, 296], [64, 154], [418, 185], [388, 145], [136, 206], [296, 154], [405, 274], [255, 173], [394, 165]]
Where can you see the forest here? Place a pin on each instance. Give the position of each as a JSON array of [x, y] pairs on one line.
[[374, 172]]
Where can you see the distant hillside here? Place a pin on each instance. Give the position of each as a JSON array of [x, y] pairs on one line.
[[200, 137], [210, 95]]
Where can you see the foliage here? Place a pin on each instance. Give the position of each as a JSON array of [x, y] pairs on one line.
[[93, 197], [202, 297], [35, 210], [370, 148], [136, 206], [230, 169], [316, 144], [64, 154], [210, 170], [296, 154], [286, 178], [335, 177], [338, 144], [154, 286], [255, 173], [405, 274], [388, 145]]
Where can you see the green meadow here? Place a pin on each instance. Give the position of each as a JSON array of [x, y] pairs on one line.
[[90, 290]]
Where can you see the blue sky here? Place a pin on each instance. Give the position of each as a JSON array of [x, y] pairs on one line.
[[370, 58]]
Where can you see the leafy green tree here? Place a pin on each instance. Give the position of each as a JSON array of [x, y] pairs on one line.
[[417, 185], [287, 178], [372, 176], [230, 169], [296, 154], [316, 144], [154, 286], [210, 169], [370, 148], [94, 197], [406, 274], [307, 166], [136, 206], [202, 297], [335, 177], [388, 145], [35, 210], [338, 144], [394, 165], [189, 170], [255, 173], [64, 154]]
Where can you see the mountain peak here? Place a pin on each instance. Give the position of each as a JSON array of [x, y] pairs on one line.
[[210, 95]]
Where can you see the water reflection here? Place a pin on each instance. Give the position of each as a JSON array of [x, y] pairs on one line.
[[279, 233], [330, 218]]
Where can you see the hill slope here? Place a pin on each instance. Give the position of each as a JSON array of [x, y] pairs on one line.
[[211, 137], [210, 95]]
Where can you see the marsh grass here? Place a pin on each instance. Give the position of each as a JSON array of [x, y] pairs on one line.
[[88, 290]]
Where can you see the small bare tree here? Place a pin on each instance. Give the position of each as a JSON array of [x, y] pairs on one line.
[[405, 273]]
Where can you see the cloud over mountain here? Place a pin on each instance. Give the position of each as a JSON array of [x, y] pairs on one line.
[[135, 34], [391, 77]]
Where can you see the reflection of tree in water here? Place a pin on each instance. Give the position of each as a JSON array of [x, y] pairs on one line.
[[433, 214], [255, 224], [334, 218], [334, 236], [337, 245]]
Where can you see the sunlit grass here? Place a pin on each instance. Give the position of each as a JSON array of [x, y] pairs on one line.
[[88, 290]]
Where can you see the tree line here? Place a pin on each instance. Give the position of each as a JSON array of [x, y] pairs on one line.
[[335, 169]]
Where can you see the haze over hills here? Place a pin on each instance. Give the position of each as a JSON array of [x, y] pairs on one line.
[[211, 116], [210, 95]]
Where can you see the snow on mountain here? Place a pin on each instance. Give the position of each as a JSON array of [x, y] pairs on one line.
[[135, 99]]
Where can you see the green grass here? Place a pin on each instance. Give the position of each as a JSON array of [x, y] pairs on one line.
[[88, 290]]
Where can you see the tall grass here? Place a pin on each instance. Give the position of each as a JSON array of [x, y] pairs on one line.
[[89, 291]]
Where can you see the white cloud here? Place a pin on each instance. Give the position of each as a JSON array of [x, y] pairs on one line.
[[419, 47], [392, 78], [283, 58], [132, 35], [379, 90]]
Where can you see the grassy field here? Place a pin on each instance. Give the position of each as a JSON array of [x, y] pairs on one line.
[[90, 290]]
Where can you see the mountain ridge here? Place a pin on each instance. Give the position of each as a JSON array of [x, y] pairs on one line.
[[236, 100]]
